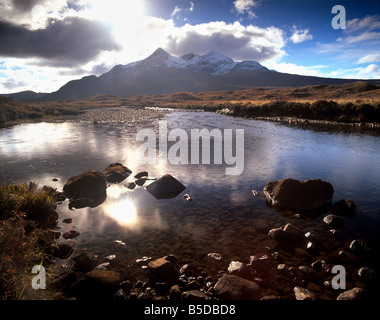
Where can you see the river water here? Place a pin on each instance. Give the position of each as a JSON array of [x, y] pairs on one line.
[[224, 216]]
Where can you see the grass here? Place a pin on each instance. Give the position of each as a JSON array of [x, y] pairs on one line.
[[352, 102], [25, 214]]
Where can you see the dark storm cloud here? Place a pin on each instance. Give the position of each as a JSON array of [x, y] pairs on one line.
[[68, 42]]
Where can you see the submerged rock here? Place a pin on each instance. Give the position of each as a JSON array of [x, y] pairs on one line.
[[166, 187], [345, 208], [162, 270], [353, 294], [334, 221], [231, 287], [116, 172], [96, 284], [303, 294], [298, 195], [287, 233]]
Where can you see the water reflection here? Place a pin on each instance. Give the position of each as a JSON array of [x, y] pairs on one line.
[[123, 211], [222, 216]]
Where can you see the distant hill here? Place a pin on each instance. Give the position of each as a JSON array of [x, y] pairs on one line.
[[162, 73], [25, 95]]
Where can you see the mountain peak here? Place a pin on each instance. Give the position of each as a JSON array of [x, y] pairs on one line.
[[161, 53]]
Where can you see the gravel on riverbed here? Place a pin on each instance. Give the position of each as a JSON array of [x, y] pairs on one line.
[[114, 114]]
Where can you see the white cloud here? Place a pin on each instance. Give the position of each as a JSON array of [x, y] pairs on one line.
[[234, 40], [369, 58], [297, 69], [368, 23], [177, 10], [245, 6], [300, 35]]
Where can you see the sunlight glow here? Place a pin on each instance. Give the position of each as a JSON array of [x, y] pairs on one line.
[[122, 15], [122, 211]]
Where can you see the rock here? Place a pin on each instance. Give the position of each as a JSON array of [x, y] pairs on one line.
[[293, 233], [162, 270], [299, 195], [287, 233], [116, 172], [361, 248], [334, 221], [140, 182], [126, 286], [63, 250], [175, 293], [277, 234], [96, 284], [368, 275], [215, 256], [64, 280], [166, 187], [187, 197], [71, 234], [185, 270], [88, 185], [303, 294], [231, 287], [85, 261], [345, 207], [235, 266], [353, 294], [141, 174], [131, 185], [193, 295], [262, 265]]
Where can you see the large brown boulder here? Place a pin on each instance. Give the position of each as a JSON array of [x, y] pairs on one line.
[[116, 172], [90, 184], [298, 195]]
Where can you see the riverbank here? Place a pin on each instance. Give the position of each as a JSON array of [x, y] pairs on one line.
[[355, 103]]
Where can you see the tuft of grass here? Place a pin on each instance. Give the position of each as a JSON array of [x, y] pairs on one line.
[[26, 214], [28, 200]]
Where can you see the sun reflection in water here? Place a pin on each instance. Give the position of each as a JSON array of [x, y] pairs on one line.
[[123, 211], [120, 208]]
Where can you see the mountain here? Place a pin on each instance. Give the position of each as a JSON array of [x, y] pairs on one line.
[[25, 95], [162, 73]]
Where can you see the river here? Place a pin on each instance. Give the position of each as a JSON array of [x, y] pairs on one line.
[[224, 216]]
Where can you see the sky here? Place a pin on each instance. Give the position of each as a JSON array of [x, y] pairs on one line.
[[46, 43]]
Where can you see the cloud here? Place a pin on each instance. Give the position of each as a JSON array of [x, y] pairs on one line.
[[68, 42], [234, 40], [177, 10], [297, 69], [300, 35], [245, 6], [368, 23], [369, 58]]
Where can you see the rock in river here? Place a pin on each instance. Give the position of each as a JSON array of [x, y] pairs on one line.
[[345, 207], [116, 172], [230, 287], [89, 184], [166, 187], [298, 195]]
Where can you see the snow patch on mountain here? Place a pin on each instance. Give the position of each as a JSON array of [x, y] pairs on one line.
[[213, 62]]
